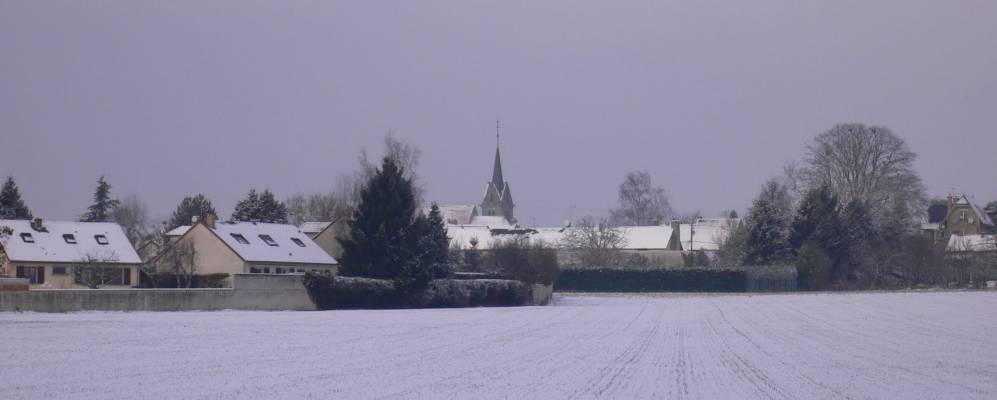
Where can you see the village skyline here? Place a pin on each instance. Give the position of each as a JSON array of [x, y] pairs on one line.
[[182, 100]]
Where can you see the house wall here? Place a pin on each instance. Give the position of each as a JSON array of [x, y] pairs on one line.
[[327, 239], [955, 225], [213, 256], [65, 281]]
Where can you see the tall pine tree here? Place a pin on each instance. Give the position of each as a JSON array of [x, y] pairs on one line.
[[820, 238], [768, 228], [260, 208], [190, 207], [103, 205], [11, 204], [388, 240]]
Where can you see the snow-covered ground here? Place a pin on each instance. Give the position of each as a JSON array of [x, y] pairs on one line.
[[859, 346]]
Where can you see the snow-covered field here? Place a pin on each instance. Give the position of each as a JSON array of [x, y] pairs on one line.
[[871, 346]]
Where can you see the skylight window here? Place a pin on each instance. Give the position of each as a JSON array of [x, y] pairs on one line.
[[101, 240], [69, 238], [268, 240], [298, 242], [27, 238], [239, 238]]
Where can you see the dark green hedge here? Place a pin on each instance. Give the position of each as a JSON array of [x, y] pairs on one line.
[[330, 292], [655, 280]]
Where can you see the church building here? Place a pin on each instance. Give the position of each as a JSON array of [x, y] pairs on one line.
[[498, 197]]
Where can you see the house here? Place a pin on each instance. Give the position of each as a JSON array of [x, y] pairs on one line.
[[970, 244], [658, 244], [325, 234], [706, 234], [957, 216], [59, 254], [247, 247]]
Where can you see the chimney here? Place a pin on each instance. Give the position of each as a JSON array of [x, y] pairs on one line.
[[209, 220], [37, 225], [193, 220]]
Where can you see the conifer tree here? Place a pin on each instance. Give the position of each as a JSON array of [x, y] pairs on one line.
[[11, 204], [768, 227], [818, 234], [260, 208], [380, 226], [103, 205], [190, 207]]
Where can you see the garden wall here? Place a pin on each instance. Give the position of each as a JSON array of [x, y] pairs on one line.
[[249, 292], [691, 279]]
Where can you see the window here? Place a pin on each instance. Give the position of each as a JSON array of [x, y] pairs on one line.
[[27, 238], [266, 270], [108, 276], [268, 240], [962, 215], [254, 270], [298, 242], [280, 270], [34, 275], [239, 238], [58, 270], [101, 240], [69, 238]]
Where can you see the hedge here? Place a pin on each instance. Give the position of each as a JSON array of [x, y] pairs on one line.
[[329, 292], [654, 280]]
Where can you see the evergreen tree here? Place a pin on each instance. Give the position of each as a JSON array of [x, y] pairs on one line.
[[103, 205], [388, 240], [380, 225], [260, 208], [817, 224], [11, 204], [768, 227], [190, 207]]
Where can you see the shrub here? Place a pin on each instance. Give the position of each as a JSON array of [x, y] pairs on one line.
[[523, 260], [475, 293], [328, 292], [655, 280]]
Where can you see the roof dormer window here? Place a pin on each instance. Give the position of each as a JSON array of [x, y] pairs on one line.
[[239, 238], [298, 242], [69, 238], [27, 238], [268, 240], [101, 240]]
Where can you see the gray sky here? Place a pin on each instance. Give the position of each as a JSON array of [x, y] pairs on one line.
[[712, 97]]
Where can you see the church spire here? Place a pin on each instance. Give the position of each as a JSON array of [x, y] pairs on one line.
[[497, 179]]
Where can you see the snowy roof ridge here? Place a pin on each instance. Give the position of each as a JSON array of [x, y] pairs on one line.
[[68, 242]]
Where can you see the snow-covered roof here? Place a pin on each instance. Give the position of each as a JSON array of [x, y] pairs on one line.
[[455, 214], [972, 243], [68, 242], [491, 221], [314, 227], [178, 231], [283, 249], [636, 237], [705, 234]]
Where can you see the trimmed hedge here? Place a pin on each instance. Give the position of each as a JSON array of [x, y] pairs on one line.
[[654, 280], [330, 292]]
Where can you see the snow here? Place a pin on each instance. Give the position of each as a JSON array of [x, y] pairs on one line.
[[257, 250], [313, 228], [974, 243], [51, 246], [837, 346], [706, 234], [636, 237]]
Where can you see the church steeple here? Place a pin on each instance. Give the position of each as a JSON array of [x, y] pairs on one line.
[[497, 179], [498, 197]]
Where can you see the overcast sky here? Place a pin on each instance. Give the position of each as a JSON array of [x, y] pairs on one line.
[[712, 97]]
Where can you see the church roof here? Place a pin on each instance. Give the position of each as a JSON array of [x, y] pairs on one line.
[[497, 178]]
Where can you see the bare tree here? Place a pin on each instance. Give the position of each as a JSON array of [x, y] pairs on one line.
[[133, 216], [641, 203], [596, 243], [405, 154], [869, 164], [94, 270], [181, 261], [315, 207]]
